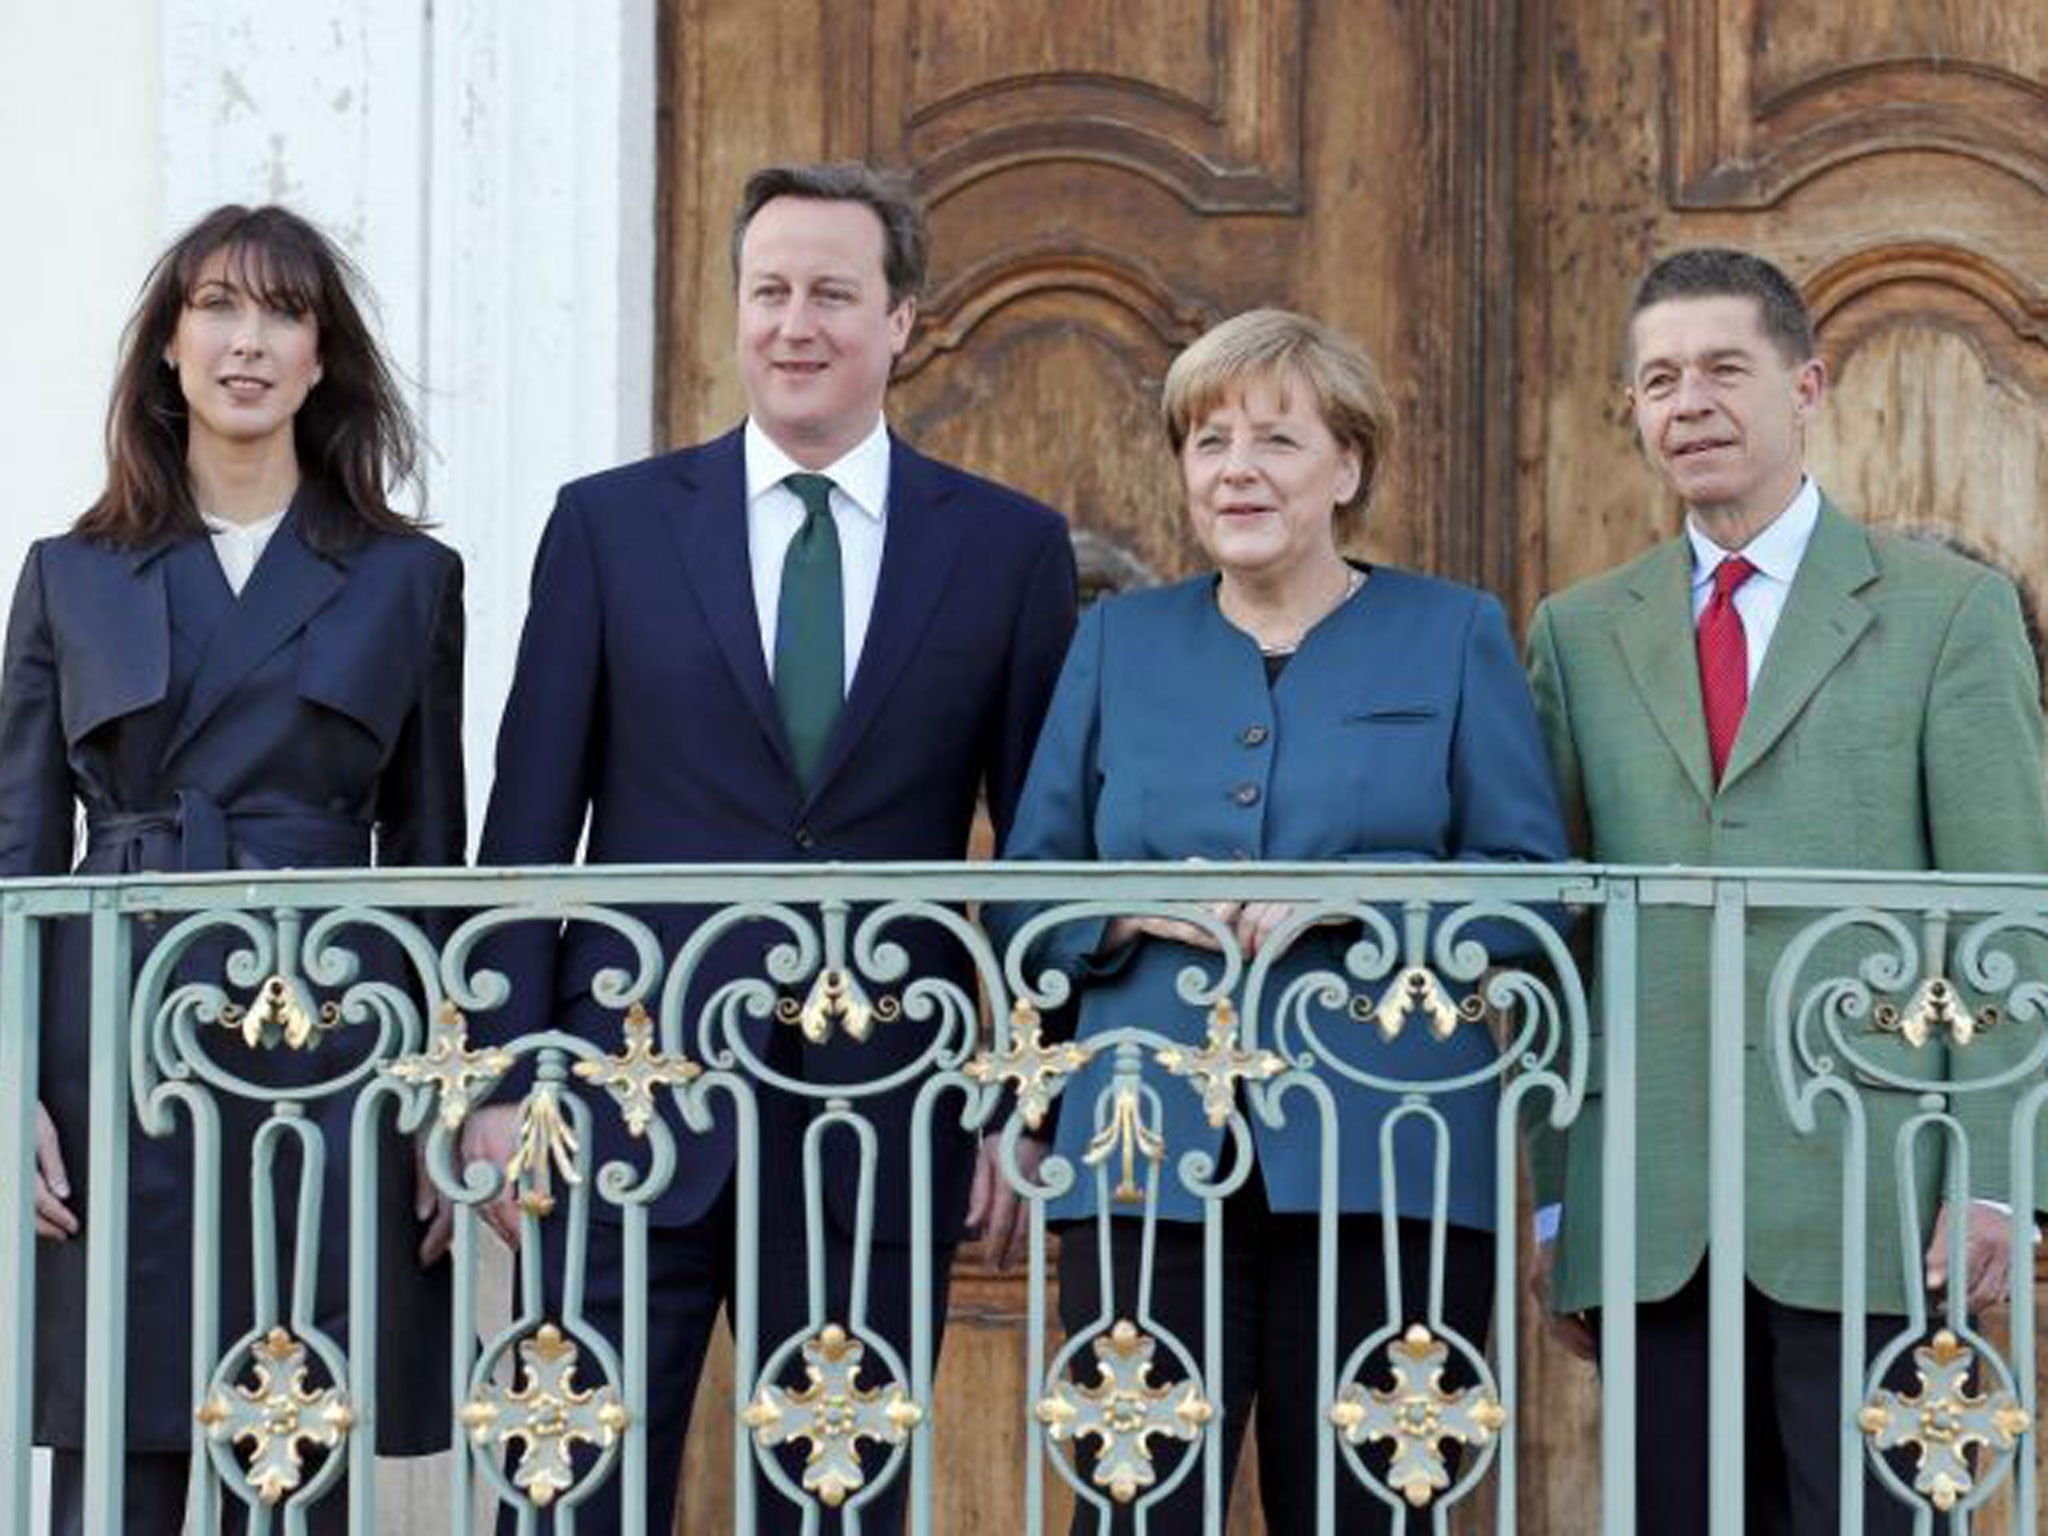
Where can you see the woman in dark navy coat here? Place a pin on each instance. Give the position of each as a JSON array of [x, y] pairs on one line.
[[241, 657], [1291, 705]]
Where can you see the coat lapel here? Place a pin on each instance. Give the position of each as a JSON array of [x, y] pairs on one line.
[[709, 525], [289, 585], [1822, 622], [1656, 639], [919, 549]]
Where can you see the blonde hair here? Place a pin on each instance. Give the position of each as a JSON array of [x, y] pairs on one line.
[[1277, 346]]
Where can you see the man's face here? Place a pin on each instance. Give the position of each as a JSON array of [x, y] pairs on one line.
[[1720, 408], [817, 333]]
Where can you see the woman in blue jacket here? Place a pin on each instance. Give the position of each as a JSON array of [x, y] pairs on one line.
[[1291, 705], [240, 657]]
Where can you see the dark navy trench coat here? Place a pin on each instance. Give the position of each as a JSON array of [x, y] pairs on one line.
[[314, 721]]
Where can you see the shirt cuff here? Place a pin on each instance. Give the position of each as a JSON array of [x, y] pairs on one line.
[[2004, 1211]]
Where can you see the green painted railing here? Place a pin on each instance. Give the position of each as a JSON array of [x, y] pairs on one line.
[[1871, 977]]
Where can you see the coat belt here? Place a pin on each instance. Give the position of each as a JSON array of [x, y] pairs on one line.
[[205, 832]]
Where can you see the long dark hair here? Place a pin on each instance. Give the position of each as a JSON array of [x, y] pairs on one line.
[[355, 436]]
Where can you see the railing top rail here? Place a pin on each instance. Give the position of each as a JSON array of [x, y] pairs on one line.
[[1580, 884]]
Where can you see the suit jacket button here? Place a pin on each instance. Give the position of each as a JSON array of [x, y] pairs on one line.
[[1246, 794], [805, 838], [1254, 735]]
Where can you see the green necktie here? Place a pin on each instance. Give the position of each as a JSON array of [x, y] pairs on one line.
[[810, 629]]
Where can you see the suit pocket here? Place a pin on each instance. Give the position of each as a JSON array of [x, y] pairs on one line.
[[1393, 714]]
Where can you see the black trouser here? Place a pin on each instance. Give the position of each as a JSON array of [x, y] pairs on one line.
[[1791, 1418], [1270, 1312], [153, 1491], [690, 1275]]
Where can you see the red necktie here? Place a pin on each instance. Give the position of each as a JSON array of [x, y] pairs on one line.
[[1724, 660]]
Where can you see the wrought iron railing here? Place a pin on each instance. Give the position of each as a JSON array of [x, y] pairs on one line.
[[1873, 984]]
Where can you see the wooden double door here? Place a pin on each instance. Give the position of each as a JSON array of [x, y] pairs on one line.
[[1470, 187]]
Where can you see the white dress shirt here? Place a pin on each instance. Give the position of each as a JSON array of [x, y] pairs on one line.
[[1776, 553], [238, 546], [860, 503]]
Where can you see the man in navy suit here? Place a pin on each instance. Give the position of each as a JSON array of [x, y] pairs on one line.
[[800, 642]]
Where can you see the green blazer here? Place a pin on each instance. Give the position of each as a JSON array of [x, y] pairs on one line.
[[1895, 725]]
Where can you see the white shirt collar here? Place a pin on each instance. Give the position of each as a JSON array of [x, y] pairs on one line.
[[861, 474], [1776, 552], [251, 533]]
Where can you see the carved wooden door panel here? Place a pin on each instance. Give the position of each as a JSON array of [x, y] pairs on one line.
[[1892, 155], [1105, 179]]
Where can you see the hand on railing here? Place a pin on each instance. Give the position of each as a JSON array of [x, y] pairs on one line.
[[436, 1212], [491, 1135], [54, 1218], [1253, 922], [1569, 1329], [1987, 1255], [993, 1208]]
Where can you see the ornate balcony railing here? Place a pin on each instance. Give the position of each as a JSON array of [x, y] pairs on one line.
[[1894, 1017]]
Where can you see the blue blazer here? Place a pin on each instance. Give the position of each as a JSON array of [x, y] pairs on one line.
[[642, 700], [312, 719], [1400, 731]]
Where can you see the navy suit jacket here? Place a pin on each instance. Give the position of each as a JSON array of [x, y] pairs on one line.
[[1401, 731], [642, 700]]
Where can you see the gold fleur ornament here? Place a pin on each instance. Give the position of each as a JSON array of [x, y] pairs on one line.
[[632, 1076], [546, 1415], [1416, 991], [459, 1075], [1036, 1070], [1122, 1411], [1416, 1414], [1934, 1008], [276, 1015], [547, 1146], [836, 997], [1944, 1421], [833, 1414], [1218, 1066], [1126, 1136], [277, 1417]]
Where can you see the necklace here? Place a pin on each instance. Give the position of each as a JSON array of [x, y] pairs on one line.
[[1287, 647]]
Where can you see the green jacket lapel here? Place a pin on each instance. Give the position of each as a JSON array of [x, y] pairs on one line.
[[1822, 622], [1656, 639]]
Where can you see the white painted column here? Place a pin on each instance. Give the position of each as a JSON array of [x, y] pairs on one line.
[[80, 182], [539, 346]]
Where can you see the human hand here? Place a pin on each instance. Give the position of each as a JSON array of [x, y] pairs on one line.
[[1255, 922], [1122, 930], [1572, 1330], [434, 1210], [1987, 1255], [54, 1218], [993, 1207], [491, 1135]]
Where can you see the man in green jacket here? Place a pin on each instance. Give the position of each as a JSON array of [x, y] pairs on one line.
[[1778, 686]]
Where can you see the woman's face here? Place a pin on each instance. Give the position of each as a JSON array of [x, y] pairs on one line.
[[1264, 477], [245, 366]]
